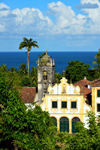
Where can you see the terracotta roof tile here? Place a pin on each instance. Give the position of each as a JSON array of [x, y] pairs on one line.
[[83, 82], [28, 94], [83, 89], [95, 83]]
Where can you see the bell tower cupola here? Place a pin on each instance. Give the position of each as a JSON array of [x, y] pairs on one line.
[[46, 75]]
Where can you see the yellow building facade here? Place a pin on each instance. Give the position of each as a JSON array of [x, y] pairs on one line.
[[66, 106]]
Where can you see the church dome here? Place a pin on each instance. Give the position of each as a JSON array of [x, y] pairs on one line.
[[46, 56]]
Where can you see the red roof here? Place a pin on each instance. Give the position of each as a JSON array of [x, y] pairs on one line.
[[83, 89], [28, 94], [95, 83], [83, 82]]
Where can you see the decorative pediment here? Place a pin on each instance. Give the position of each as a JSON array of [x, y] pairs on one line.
[[63, 80], [64, 88]]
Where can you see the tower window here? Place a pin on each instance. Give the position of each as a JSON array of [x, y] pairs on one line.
[[44, 75]]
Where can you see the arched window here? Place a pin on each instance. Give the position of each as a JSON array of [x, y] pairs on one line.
[[64, 124], [74, 120], [44, 75]]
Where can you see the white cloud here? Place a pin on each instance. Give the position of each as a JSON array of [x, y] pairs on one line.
[[32, 22], [2, 28], [90, 1], [5, 10], [66, 20]]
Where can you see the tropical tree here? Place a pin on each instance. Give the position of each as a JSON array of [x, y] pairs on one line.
[[3, 68], [12, 69], [28, 44], [58, 77], [22, 69], [30, 129], [76, 70], [97, 66], [33, 75]]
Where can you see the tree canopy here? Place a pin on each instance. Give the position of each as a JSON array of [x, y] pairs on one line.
[[96, 68], [77, 70], [28, 129]]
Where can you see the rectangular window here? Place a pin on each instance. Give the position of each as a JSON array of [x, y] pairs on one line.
[[73, 104], [98, 93], [98, 107], [54, 104], [64, 104]]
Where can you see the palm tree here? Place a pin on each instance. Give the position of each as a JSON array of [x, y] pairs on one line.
[[28, 43]]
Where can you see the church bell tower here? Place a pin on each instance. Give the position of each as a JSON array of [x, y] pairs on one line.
[[46, 75]]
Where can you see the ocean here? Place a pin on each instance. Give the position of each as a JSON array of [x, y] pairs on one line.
[[61, 58]]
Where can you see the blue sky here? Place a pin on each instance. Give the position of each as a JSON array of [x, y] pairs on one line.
[[67, 25]]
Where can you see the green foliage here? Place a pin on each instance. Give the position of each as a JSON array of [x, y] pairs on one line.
[[22, 69], [31, 129], [41, 55], [33, 75], [43, 61], [76, 70], [26, 81], [97, 61], [15, 77], [3, 68], [58, 77], [28, 43], [97, 66], [33, 71], [12, 69], [85, 139]]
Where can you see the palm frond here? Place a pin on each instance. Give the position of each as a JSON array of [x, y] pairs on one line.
[[94, 62], [28, 44]]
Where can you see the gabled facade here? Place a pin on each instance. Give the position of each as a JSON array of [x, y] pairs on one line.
[[65, 105]]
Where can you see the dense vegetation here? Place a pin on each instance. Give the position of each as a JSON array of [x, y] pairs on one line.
[[33, 129], [77, 70], [29, 129], [19, 78]]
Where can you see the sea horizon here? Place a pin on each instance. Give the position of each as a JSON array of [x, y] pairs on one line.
[[32, 51], [61, 58]]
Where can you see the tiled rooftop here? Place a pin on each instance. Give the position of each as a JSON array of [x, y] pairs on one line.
[[83, 89], [95, 83], [28, 94], [83, 82]]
